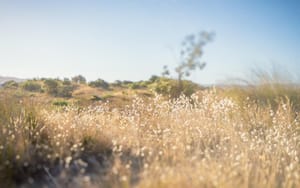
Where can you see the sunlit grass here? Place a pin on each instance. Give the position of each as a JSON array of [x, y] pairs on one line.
[[207, 140], [267, 88]]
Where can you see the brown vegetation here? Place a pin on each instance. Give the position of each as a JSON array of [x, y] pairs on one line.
[[207, 140]]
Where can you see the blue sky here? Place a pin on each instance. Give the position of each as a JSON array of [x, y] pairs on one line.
[[133, 39]]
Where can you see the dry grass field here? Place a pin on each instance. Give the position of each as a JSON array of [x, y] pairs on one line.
[[211, 139]]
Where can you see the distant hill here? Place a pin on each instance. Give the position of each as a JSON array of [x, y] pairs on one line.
[[4, 79]]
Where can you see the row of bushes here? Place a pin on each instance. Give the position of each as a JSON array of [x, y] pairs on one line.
[[161, 85], [65, 87], [52, 86]]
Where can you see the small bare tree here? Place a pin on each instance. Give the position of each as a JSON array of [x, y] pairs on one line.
[[190, 56]]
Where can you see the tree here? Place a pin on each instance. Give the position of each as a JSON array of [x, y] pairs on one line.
[[190, 56], [79, 79]]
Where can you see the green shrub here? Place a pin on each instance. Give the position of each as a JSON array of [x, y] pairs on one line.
[[117, 83], [59, 88], [51, 86], [99, 83], [65, 91], [189, 87], [139, 85], [10, 84], [135, 85], [170, 87], [31, 85]]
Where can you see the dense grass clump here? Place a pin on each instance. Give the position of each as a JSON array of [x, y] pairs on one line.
[[267, 88]]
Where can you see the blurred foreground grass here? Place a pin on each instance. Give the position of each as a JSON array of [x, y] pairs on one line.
[[220, 137]]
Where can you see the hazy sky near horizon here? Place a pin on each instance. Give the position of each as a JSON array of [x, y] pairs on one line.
[[133, 39]]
